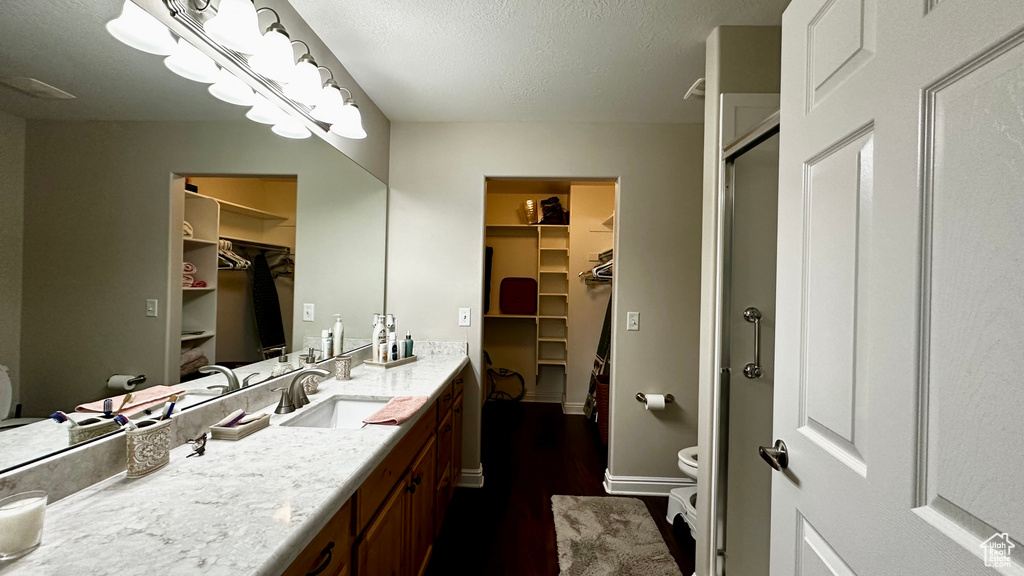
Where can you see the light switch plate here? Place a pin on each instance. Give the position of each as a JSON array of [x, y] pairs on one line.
[[464, 317], [632, 321], [152, 308], [307, 313]]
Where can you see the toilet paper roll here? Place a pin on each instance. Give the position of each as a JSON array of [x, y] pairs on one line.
[[655, 401], [121, 382]]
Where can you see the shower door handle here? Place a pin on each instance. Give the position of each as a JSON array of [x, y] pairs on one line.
[[753, 369]]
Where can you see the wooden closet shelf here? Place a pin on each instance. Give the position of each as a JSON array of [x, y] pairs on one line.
[[241, 209]]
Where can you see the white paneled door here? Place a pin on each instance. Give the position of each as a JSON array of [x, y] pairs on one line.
[[899, 385]]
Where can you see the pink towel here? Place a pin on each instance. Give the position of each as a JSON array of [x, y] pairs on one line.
[[398, 410], [187, 281], [141, 399], [188, 268]]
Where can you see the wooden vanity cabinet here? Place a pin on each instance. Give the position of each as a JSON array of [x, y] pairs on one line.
[[421, 496], [457, 438], [330, 552]]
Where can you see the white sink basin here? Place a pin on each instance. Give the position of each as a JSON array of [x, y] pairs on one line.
[[336, 413]]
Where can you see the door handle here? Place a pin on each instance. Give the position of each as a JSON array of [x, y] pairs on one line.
[[753, 369], [777, 456]]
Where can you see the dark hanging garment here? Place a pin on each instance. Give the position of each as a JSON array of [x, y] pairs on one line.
[[602, 366], [266, 306], [487, 279]]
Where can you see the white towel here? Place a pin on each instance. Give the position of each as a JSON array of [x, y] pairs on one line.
[[187, 230]]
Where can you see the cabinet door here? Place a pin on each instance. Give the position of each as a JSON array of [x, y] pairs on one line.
[[444, 496], [330, 552], [421, 491], [382, 550], [457, 441]]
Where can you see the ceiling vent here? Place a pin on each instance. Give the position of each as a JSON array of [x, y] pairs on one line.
[[36, 88]]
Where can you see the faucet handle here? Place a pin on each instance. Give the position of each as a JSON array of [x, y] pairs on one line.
[[285, 406], [245, 381]]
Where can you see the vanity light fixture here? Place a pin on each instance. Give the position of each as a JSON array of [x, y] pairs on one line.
[[235, 26], [232, 90], [305, 84], [265, 112], [351, 123], [330, 101], [140, 30], [189, 62], [274, 57], [290, 127]]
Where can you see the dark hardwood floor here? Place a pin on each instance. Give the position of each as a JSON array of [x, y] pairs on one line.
[[530, 453]]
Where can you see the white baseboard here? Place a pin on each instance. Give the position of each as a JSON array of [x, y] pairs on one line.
[[642, 485], [543, 398], [472, 478], [573, 408]]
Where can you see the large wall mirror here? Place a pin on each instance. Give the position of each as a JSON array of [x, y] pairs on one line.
[[149, 228]]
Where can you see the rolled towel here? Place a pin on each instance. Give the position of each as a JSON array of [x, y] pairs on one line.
[[187, 281], [188, 268], [190, 355], [199, 284], [187, 230], [398, 410], [194, 365]]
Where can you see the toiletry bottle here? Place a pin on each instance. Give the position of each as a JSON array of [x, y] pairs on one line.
[[390, 322], [392, 347], [379, 337], [382, 352], [339, 335], [408, 345], [281, 367], [326, 344]]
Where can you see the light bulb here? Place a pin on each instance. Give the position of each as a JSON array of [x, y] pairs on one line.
[[291, 128], [188, 62], [140, 30], [232, 90], [235, 26], [265, 112], [329, 106], [350, 122], [274, 57], [305, 84]]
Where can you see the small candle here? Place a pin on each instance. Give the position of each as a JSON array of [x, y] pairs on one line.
[[21, 523]]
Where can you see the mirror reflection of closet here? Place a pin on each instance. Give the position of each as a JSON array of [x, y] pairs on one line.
[[242, 243]]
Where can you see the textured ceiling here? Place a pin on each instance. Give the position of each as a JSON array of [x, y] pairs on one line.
[[64, 43], [529, 60]]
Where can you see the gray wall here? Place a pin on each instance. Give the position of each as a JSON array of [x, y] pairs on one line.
[[98, 240], [435, 257], [12, 193]]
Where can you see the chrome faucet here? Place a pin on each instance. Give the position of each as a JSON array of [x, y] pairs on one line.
[[295, 389], [227, 372]]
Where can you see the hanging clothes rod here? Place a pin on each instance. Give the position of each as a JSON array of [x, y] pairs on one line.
[[254, 244]]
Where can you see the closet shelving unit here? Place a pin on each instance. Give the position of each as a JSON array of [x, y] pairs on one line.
[[199, 305]]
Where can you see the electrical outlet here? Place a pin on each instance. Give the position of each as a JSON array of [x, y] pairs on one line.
[[632, 321], [152, 308], [464, 317], [307, 313]]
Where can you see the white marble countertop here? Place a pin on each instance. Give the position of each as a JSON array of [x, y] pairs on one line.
[[246, 507]]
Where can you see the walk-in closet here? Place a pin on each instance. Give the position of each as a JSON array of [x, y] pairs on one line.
[[544, 307], [237, 267]]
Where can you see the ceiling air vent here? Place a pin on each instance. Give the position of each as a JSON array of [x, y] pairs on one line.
[[36, 88]]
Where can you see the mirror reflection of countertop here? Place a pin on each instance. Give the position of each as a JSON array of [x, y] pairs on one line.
[[245, 507]]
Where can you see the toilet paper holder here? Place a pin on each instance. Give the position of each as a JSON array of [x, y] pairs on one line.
[[641, 398]]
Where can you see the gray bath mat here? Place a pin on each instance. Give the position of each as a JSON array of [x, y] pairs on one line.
[[609, 536]]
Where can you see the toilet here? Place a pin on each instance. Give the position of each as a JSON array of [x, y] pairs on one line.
[[5, 403], [683, 500]]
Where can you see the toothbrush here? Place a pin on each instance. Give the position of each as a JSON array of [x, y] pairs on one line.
[[127, 398], [231, 419], [62, 417], [170, 407], [124, 421]]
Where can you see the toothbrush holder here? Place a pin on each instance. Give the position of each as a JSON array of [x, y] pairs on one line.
[[343, 367], [149, 447], [90, 428]]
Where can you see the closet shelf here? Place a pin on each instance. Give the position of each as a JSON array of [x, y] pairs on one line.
[[198, 241], [200, 289], [554, 249], [243, 210], [553, 294], [554, 272], [509, 316], [553, 317], [542, 339], [548, 362], [204, 335]]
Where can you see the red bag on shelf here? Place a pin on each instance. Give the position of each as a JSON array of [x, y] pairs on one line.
[[518, 296]]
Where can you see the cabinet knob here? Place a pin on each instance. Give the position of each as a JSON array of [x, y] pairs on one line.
[[458, 410], [411, 488], [447, 397], [447, 427], [417, 480], [457, 381], [327, 561]]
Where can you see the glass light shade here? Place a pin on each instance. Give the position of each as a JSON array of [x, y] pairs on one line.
[[140, 30], [189, 62], [232, 90], [235, 26], [329, 106], [350, 123], [274, 57], [265, 112], [291, 128], [305, 84]]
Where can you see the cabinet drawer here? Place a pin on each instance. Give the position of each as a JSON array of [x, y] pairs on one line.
[[444, 402], [378, 484], [457, 386], [330, 552], [445, 432]]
